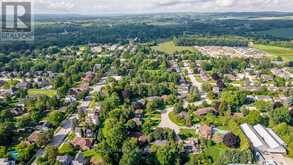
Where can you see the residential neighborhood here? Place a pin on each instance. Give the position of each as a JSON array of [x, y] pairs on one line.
[[173, 82], [189, 103]]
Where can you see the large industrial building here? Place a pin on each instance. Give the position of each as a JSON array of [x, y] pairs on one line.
[[264, 140]]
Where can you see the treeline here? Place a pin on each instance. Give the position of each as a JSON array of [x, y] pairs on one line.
[[212, 41], [285, 44]]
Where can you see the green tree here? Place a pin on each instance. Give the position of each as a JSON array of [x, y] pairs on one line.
[[55, 117], [280, 115], [3, 152], [114, 133], [6, 133], [131, 153], [264, 106], [25, 151]]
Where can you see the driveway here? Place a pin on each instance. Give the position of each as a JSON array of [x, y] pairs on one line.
[[167, 123]]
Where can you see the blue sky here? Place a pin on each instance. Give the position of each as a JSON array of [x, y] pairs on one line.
[[154, 6]]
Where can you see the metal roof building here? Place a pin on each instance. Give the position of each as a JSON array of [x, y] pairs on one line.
[[264, 140]]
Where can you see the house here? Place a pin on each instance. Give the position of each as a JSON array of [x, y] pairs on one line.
[[6, 161], [41, 83], [76, 91], [97, 49], [264, 98], [204, 76], [64, 160], [88, 77], [240, 76], [266, 78], [82, 143], [97, 67], [191, 145], [264, 140], [139, 113], [93, 117], [183, 90], [89, 133], [43, 126], [206, 131], [80, 159], [142, 139], [69, 99], [183, 115], [6, 92], [140, 104], [137, 121], [230, 77], [2, 82], [216, 90], [22, 85], [17, 111], [282, 73], [33, 138], [204, 111], [78, 132]]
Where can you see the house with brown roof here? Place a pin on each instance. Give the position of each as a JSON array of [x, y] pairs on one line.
[[33, 138], [206, 131], [204, 111], [82, 143]]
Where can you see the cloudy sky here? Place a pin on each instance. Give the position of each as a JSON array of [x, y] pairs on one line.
[[153, 6]]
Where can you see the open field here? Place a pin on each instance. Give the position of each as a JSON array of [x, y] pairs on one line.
[[46, 92], [285, 53], [170, 47]]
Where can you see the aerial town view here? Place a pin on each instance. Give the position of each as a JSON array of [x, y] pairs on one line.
[[146, 82]]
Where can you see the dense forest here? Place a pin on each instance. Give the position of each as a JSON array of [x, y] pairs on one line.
[[73, 30]]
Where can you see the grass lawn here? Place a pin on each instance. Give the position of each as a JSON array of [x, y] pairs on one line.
[[155, 115], [216, 151], [187, 133], [67, 148], [95, 156], [285, 53], [46, 92], [170, 47], [176, 120]]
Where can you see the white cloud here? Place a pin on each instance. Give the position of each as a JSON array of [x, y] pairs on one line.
[[142, 6], [54, 5]]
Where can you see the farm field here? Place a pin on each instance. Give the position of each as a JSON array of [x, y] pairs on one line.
[[170, 47], [46, 92], [285, 53]]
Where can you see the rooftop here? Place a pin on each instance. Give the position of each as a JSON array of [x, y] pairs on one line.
[[264, 139]]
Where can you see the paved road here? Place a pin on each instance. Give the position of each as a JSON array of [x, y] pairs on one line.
[[58, 136], [196, 84], [167, 123], [193, 80], [61, 134]]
